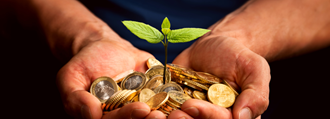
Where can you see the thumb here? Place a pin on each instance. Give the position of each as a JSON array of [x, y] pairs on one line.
[[254, 83], [77, 101]]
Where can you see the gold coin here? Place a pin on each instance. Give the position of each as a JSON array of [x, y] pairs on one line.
[[174, 67], [178, 97], [166, 108], [103, 88], [199, 95], [188, 73], [145, 95], [188, 91], [122, 75], [134, 81], [135, 99], [171, 86], [226, 83], [157, 89], [164, 111], [118, 97], [196, 84], [192, 86], [177, 106], [153, 62], [208, 78], [125, 98], [110, 101], [158, 70], [221, 95], [157, 100], [155, 82]]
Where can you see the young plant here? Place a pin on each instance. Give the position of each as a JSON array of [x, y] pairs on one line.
[[152, 35]]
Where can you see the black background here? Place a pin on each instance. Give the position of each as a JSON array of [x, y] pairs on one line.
[[298, 88]]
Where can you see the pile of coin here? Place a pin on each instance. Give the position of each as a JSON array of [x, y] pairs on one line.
[[180, 84]]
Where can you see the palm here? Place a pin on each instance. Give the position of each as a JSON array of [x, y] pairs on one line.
[[229, 60], [102, 58]]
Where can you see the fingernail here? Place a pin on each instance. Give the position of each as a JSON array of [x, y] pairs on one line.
[[85, 112], [139, 113], [245, 113], [192, 111]]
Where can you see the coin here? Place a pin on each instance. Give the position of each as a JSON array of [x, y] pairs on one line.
[[155, 82], [118, 98], [103, 88], [122, 75], [125, 98], [135, 99], [208, 78], [188, 91], [196, 84], [157, 100], [153, 62], [110, 100], [158, 70], [177, 106], [171, 86], [199, 95], [226, 83], [178, 97], [134, 81], [145, 95], [157, 89], [192, 86], [221, 95]]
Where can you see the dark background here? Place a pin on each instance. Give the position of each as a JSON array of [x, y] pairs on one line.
[[298, 87]]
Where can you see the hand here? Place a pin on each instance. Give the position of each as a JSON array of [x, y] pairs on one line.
[[230, 60], [100, 58]]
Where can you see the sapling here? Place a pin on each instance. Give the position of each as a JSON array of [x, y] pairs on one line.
[[152, 35]]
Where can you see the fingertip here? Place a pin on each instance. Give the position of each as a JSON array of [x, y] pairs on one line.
[[249, 104], [156, 115], [136, 110], [82, 104], [202, 109], [178, 114]]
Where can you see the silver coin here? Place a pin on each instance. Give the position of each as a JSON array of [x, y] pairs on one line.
[[134, 81], [103, 88], [171, 86]]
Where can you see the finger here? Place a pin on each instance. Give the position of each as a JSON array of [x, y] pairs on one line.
[[136, 110], [254, 82], [77, 101], [204, 110], [178, 114], [156, 115]]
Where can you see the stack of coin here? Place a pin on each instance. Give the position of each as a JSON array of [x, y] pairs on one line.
[[180, 85], [118, 99]]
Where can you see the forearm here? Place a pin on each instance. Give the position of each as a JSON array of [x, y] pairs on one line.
[[277, 29], [68, 26]]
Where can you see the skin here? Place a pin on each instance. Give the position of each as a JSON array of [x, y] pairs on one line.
[[236, 50]]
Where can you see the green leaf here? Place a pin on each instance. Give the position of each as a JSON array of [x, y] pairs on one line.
[[144, 31], [166, 31], [166, 23], [185, 34]]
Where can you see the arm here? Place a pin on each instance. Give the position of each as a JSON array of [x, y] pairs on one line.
[[91, 48], [239, 46], [279, 29], [68, 26]]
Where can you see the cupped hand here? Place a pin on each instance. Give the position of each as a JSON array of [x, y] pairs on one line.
[[100, 58], [230, 60]]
